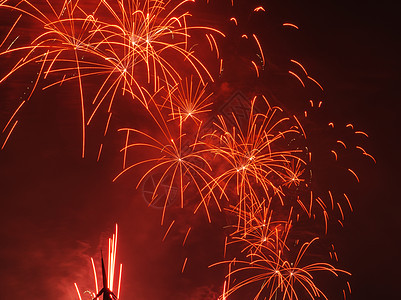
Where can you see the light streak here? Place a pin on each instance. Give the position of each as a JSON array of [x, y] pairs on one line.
[[109, 269], [9, 133], [99, 152], [297, 77], [260, 50], [342, 143], [290, 25], [119, 281], [77, 289], [168, 230], [370, 156], [186, 235], [341, 211], [256, 68], [348, 201], [12, 117], [361, 132], [11, 29], [184, 264], [353, 173], [315, 81], [335, 154], [259, 8], [299, 64], [95, 276]]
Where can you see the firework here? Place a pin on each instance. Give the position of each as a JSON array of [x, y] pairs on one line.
[[258, 229], [109, 271], [256, 155], [257, 171], [176, 156], [274, 276], [129, 46], [189, 101]]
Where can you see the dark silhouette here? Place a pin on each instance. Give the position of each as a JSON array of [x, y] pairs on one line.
[[107, 294]]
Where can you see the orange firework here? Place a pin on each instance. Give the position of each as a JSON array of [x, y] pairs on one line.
[[256, 158], [271, 276], [189, 100], [257, 229], [132, 46], [294, 175], [149, 38], [256, 164], [175, 155], [63, 35]]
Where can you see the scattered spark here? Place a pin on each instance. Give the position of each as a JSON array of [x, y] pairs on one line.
[[297, 77], [290, 25]]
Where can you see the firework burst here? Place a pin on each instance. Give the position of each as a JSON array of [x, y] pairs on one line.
[[129, 46], [271, 275], [176, 156], [256, 155]]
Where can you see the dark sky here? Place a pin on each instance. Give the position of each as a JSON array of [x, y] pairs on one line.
[[57, 209]]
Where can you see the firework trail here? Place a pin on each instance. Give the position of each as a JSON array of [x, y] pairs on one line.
[[110, 271]]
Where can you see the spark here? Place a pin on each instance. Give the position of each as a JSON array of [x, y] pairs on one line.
[[361, 132], [256, 68], [9, 133], [353, 173], [299, 64], [260, 49], [290, 25], [168, 230], [335, 154], [184, 264], [297, 77], [315, 81], [186, 235], [234, 20], [342, 143]]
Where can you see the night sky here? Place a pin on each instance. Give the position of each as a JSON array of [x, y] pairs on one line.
[[58, 209]]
